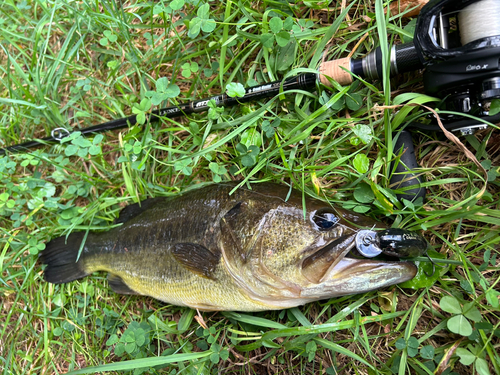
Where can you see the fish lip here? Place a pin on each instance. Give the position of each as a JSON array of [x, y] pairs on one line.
[[369, 263]]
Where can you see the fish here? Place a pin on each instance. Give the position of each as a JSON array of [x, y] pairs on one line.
[[267, 247]]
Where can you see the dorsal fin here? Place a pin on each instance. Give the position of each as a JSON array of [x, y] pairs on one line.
[[135, 209], [196, 258]]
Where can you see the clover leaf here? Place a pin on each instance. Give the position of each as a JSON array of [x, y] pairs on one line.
[[108, 37], [280, 32], [249, 154], [164, 91], [183, 166], [201, 22], [140, 110], [459, 323], [411, 346], [189, 68]]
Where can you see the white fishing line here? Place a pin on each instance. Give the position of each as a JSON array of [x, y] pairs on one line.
[[479, 20]]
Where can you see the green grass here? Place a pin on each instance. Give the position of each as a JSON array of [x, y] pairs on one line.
[[75, 64]]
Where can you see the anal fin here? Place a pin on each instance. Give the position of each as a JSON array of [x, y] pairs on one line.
[[118, 285]]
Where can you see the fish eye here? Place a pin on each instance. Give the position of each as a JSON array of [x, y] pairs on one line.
[[325, 219]]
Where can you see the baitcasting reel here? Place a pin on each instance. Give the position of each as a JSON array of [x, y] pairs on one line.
[[458, 44], [465, 71]]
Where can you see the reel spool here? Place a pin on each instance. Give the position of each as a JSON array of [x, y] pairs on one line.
[[462, 62]]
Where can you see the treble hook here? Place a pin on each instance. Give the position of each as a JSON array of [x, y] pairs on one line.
[[434, 265]]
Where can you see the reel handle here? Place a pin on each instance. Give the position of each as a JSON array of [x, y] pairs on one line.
[[403, 175]]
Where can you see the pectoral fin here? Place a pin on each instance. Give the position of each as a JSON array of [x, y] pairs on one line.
[[196, 258]]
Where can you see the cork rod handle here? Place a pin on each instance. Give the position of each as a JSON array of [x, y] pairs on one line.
[[338, 70]]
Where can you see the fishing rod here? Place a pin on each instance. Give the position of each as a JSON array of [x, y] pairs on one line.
[[461, 67], [305, 81]]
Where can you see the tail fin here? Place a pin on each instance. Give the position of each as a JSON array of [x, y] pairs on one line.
[[60, 257]]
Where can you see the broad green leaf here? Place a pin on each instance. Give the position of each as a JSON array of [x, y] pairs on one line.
[[185, 320], [363, 132], [194, 27], [172, 91], [482, 367], [354, 101], [412, 352], [248, 161], [59, 300], [203, 11], [286, 56], [113, 339], [214, 357], [253, 150], [288, 23], [363, 193], [275, 24], [97, 139], [81, 142], [130, 347], [194, 67], [251, 137], [492, 298], [70, 150], [427, 352], [400, 344], [162, 84], [267, 40], [460, 325], [466, 357], [450, 304], [410, 31], [176, 4], [361, 163], [471, 312], [282, 38], [241, 148], [94, 150], [495, 107], [208, 25], [140, 118], [224, 354], [421, 279], [413, 342], [145, 105], [235, 89]]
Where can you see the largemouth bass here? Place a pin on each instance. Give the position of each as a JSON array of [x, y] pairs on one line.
[[249, 251]]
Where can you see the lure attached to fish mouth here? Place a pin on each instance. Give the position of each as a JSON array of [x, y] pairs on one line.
[[259, 249]]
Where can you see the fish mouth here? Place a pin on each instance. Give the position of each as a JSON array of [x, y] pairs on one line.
[[337, 269]]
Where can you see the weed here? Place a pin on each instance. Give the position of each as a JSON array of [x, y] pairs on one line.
[[69, 65]]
